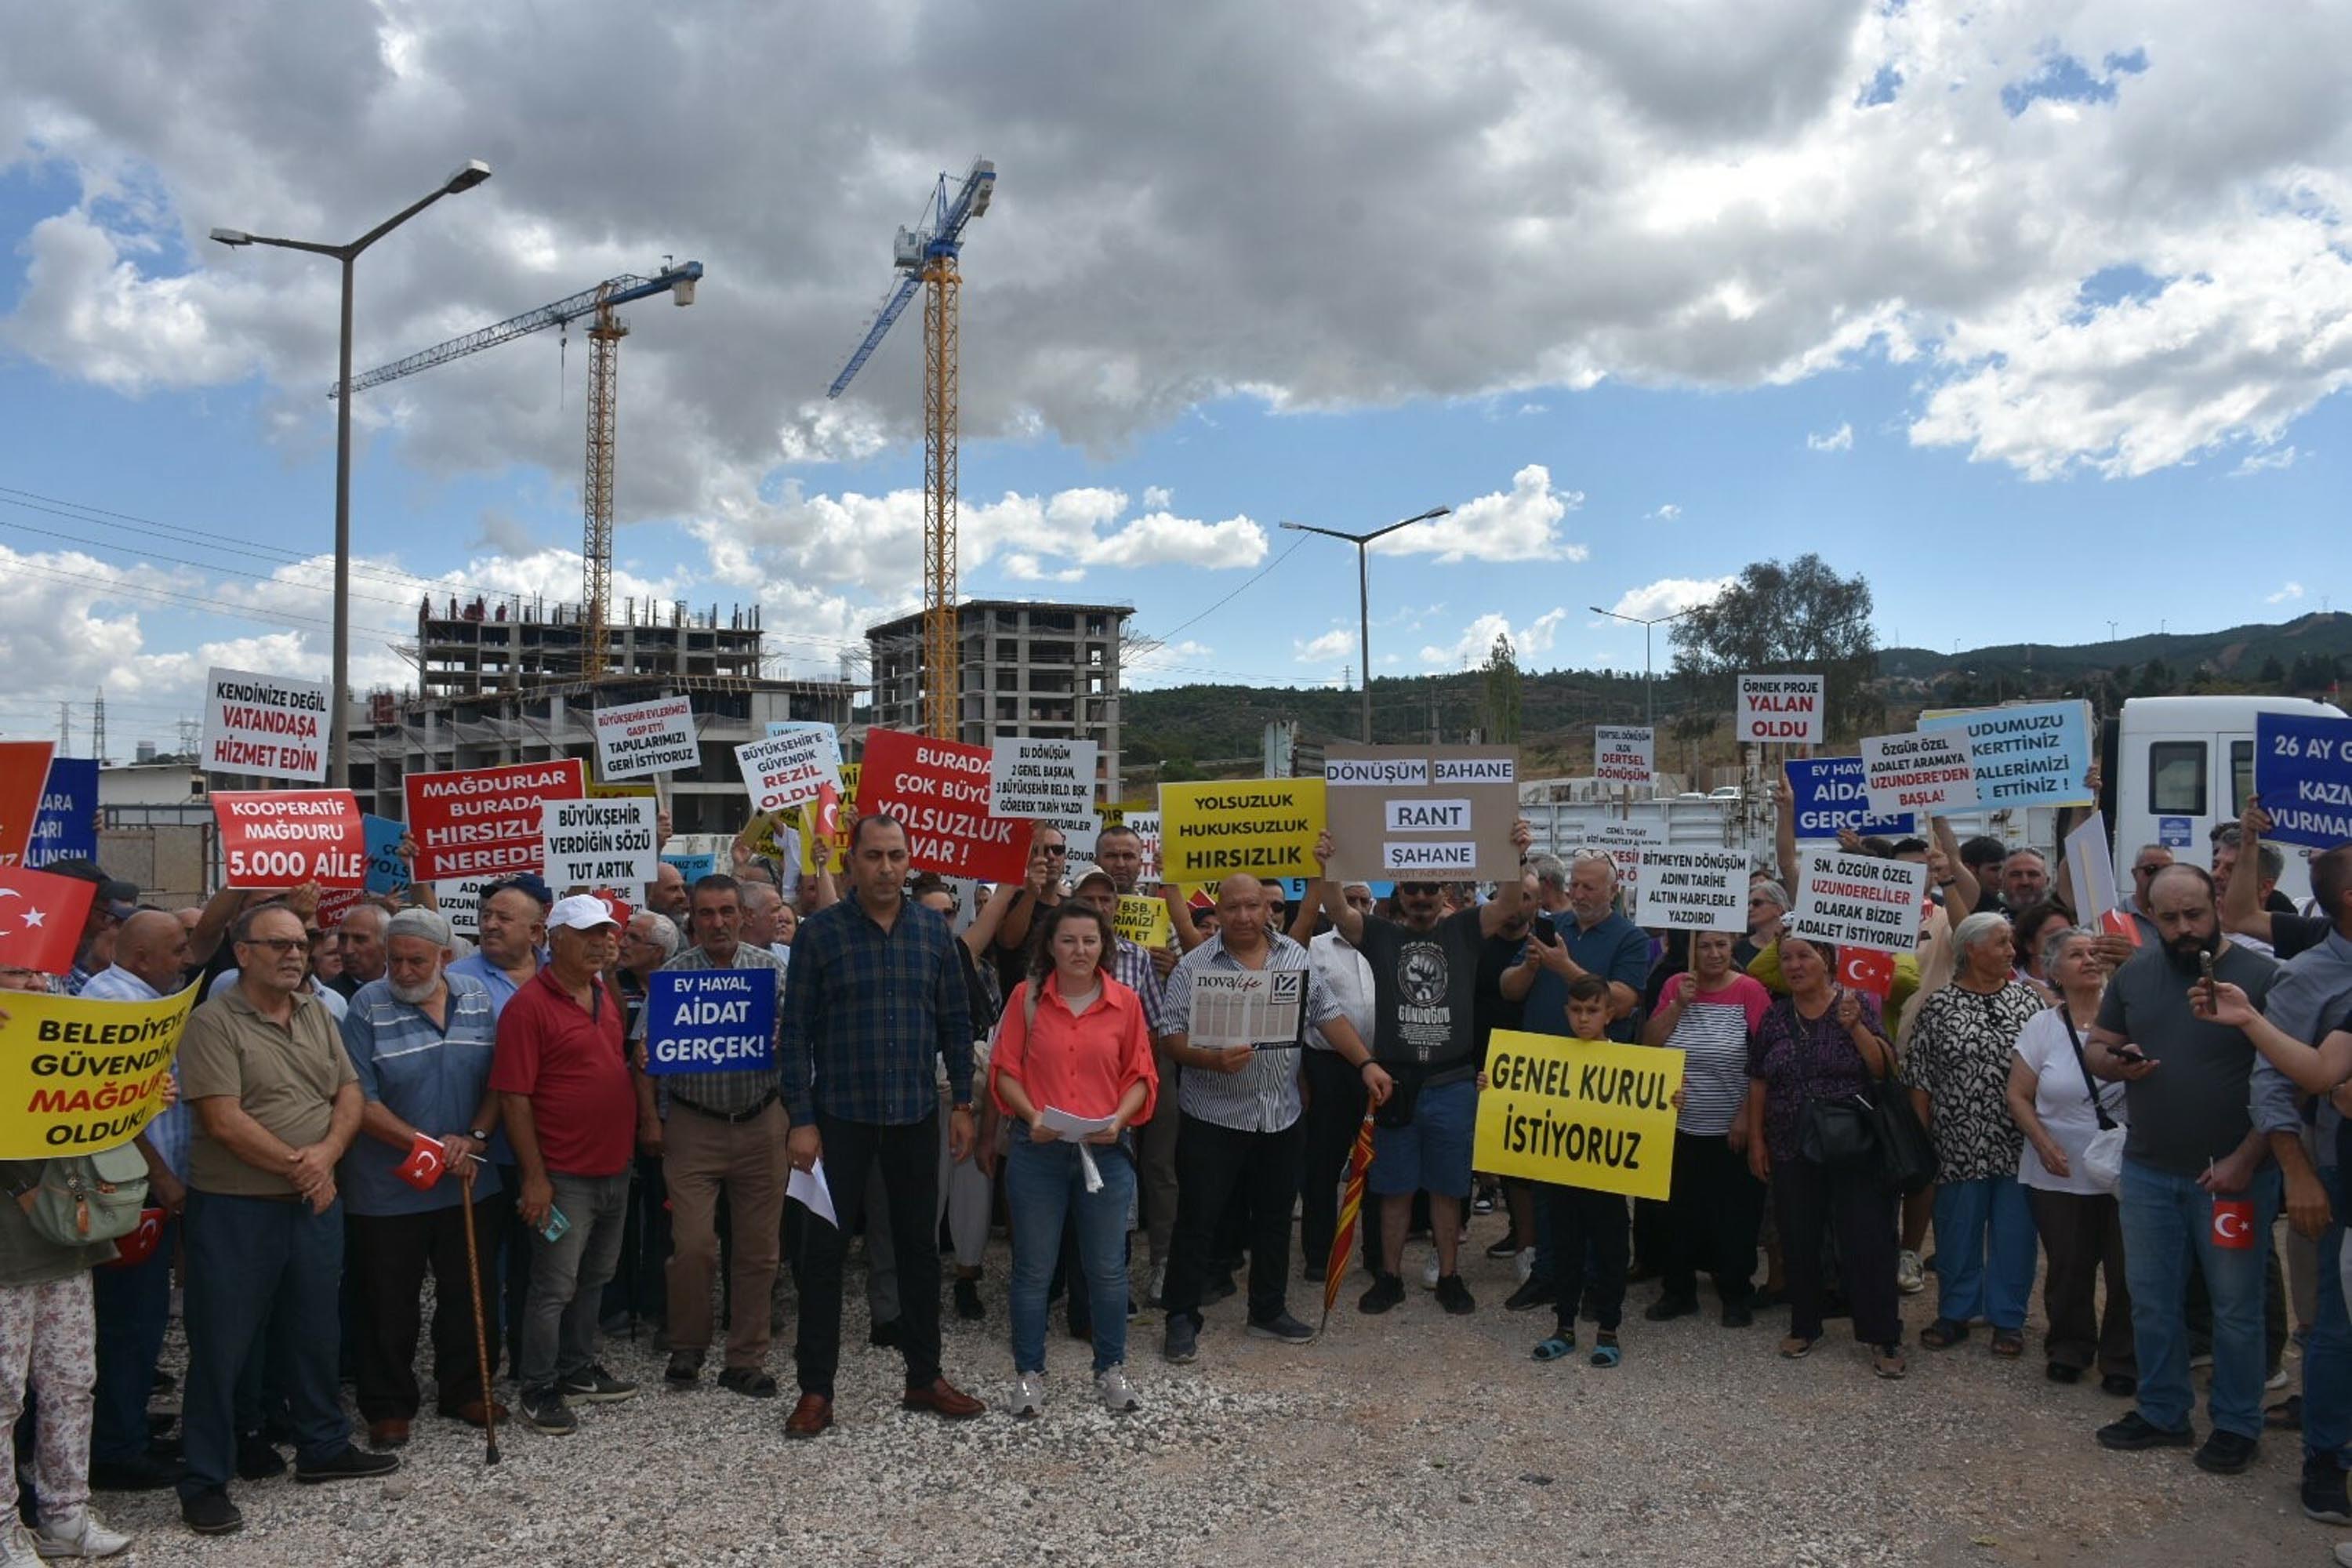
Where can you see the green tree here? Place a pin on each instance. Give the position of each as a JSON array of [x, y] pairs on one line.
[[1801, 616], [2274, 673], [1498, 707]]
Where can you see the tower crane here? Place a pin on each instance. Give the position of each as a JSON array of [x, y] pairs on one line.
[[605, 334], [927, 256]]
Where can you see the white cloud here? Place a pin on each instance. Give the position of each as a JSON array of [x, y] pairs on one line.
[[1023, 567], [1666, 596], [1666, 512], [2265, 461], [1518, 524], [1838, 440], [1159, 497], [1333, 646], [1477, 640], [2288, 593]]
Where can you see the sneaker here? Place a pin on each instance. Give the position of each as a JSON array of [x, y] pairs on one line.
[[17, 1547], [2324, 1495], [2276, 1380], [1157, 1286], [2135, 1432], [1387, 1291], [2226, 1453], [1506, 1248], [1117, 1396], [2116, 1385], [1484, 1203], [1528, 1297], [1667, 1308], [595, 1385], [1910, 1277], [1455, 1297], [544, 1410], [1029, 1395], [350, 1465], [257, 1459], [88, 1538], [1523, 1265], [1184, 1341], [211, 1513], [1283, 1327], [2200, 1361], [967, 1302], [1219, 1287], [1429, 1272]]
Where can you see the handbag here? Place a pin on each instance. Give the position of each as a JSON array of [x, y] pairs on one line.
[[82, 1199], [1906, 1154], [2103, 1157], [1839, 1135]]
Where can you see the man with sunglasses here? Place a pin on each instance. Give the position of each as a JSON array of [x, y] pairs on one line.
[[1011, 950]]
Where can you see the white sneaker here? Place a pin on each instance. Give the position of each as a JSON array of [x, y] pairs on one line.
[[1117, 1396], [1910, 1275], [1429, 1272], [1029, 1395], [17, 1549], [1523, 1264], [2277, 1380], [88, 1538]]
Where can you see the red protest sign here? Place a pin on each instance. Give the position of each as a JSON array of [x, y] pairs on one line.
[[284, 837], [486, 822], [23, 772], [939, 790], [41, 919]]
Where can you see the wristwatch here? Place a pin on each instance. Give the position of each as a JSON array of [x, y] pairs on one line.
[[477, 1135]]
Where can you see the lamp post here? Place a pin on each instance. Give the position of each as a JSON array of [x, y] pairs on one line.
[[1649, 692], [1363, 590], [472, 172]]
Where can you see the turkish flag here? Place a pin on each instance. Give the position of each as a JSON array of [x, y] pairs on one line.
[[41, 919], [828, 814], [425, 1162], [2118, 922], [2233, 1224], [1866, 969], [131, 1250]]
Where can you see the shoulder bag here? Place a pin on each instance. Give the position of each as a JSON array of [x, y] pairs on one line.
[[82, 1199], [2103, 1158]]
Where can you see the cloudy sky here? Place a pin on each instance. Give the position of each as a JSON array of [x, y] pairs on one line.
[[2031, 312]]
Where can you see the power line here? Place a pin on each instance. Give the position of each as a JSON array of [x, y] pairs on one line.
[[1229, 598]]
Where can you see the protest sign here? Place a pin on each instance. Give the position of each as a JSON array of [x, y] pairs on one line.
[[81, 1074], [693, 868], [1147, 827], [1861, 900], [386, 872], [66, 828], [284, 837], [642, 790], [640, 739], [1263, 827], [1830, 795], [1579, 1113], [2035, 754], [1781, 708], [2302, 771], [483, 822], [1693, 889], [710, 1020], [1625, 754], [1421, 811], [2090, 874], [1931, 772], [266, 725], [791, 765], [1625, 841], [1142, 921], [24, 775], [461, 900], [1036, 776], [824, 823], [939, 790], [587, 843], [1247, 1007]]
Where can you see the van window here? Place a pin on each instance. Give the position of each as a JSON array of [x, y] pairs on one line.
[[2241, 775], [2175, 778]]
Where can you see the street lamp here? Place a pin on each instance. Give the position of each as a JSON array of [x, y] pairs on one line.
[[1363, 590], [472, 172], [1649, 692]]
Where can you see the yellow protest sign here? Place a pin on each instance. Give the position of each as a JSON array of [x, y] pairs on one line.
[[1263, 827], [1579, 1113], [642, 790], [1143, 920], [78, 1076]]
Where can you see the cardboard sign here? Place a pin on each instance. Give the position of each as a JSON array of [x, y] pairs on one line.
[[1147, 827], [1860, 899], [1780, 710], [67, 825], [461, 901], [81, 1074], [1693, 889], [640, 739], [589, 843], [267, 725], [710, 1020], [285, 838], [1247, 1007], [1625, 842], [1144, 921], [1421, 811], [2035, 754], [485, 822], [1930, 772], [2302, 771], [791, 765], [1830, 795], [1036, 776], [1266, 828], [939, 790], [1625, 754], [2091, 876], [24, 776], [1579, 1113], [386, 872]]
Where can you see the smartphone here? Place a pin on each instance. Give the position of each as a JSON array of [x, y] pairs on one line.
[[2205, 970], [556, 1224], [2129, 1053]]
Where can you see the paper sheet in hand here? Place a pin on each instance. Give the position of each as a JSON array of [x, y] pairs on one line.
[[1074, 1130], [1248, 1007], [808, 1189]]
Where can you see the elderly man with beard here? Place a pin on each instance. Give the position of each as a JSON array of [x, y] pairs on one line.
[[421, 1041], [2206, 1115]]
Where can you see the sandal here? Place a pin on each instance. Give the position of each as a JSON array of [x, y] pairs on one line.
[[1605, 1352], [2008, 1342], [1556, 1348], [1886, 1360], [1942, 1334], [1795, 1349]]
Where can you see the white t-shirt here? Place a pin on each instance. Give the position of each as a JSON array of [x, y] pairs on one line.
[[2063, 1100]]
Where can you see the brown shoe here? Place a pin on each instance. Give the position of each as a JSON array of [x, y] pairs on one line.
[[388, 1433], [471, 1411], [810, 1416], [942, 1398]]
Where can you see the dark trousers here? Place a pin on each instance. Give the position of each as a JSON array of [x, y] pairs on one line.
[[1859, 1212], [1590, 1253], [257, 1264], [513, 1270], [1710, 1219], [134, 1309], [1213, 1164], [1335, 1109], [390, 1257], [908, 1163], [638, 1288], [2083, 1234]]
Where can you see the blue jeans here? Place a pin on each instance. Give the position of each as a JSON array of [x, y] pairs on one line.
[[260, 1269], [2165, 1217], [1986, 1250], [134, 1308], [1043, 1183], [2327, 1358]]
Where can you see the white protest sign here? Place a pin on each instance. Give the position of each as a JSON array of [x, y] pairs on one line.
[[1051, 783], [1781, 708], [1926, 771], [2091, 872], [461, 901], [1693, 889], [266, 725], [1625, 842], [1147, 827], [1247, 1007], [791, 765], [599, 843], [1860, 900], [639, 738], [1625, 754]]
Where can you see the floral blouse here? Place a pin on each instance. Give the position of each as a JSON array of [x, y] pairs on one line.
[[1962, 1046]]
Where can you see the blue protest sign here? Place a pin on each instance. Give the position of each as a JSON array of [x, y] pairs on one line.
[[1829, 796], [66, 828], [386, 872], [2036, 753], [2302, 771], [710, 1020], [693, 868]]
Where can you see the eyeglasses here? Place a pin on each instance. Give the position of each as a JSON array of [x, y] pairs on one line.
[[1052, 850], [283, 946]]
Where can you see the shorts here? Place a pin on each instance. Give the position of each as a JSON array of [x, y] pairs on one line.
[[1432, 1153]]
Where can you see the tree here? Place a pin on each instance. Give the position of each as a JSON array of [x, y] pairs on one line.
[[1499, 707], [2274, 673], [1801, 616]]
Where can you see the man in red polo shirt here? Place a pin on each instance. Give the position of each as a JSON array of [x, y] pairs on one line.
[[570, 1109]]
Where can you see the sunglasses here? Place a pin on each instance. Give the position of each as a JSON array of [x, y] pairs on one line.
[[1416, 887], [280, 945], [1052, 850]]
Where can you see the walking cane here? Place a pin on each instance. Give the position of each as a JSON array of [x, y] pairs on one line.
[[481, 1340]]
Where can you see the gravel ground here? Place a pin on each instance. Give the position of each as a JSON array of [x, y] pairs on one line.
[[1393, 1439]]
